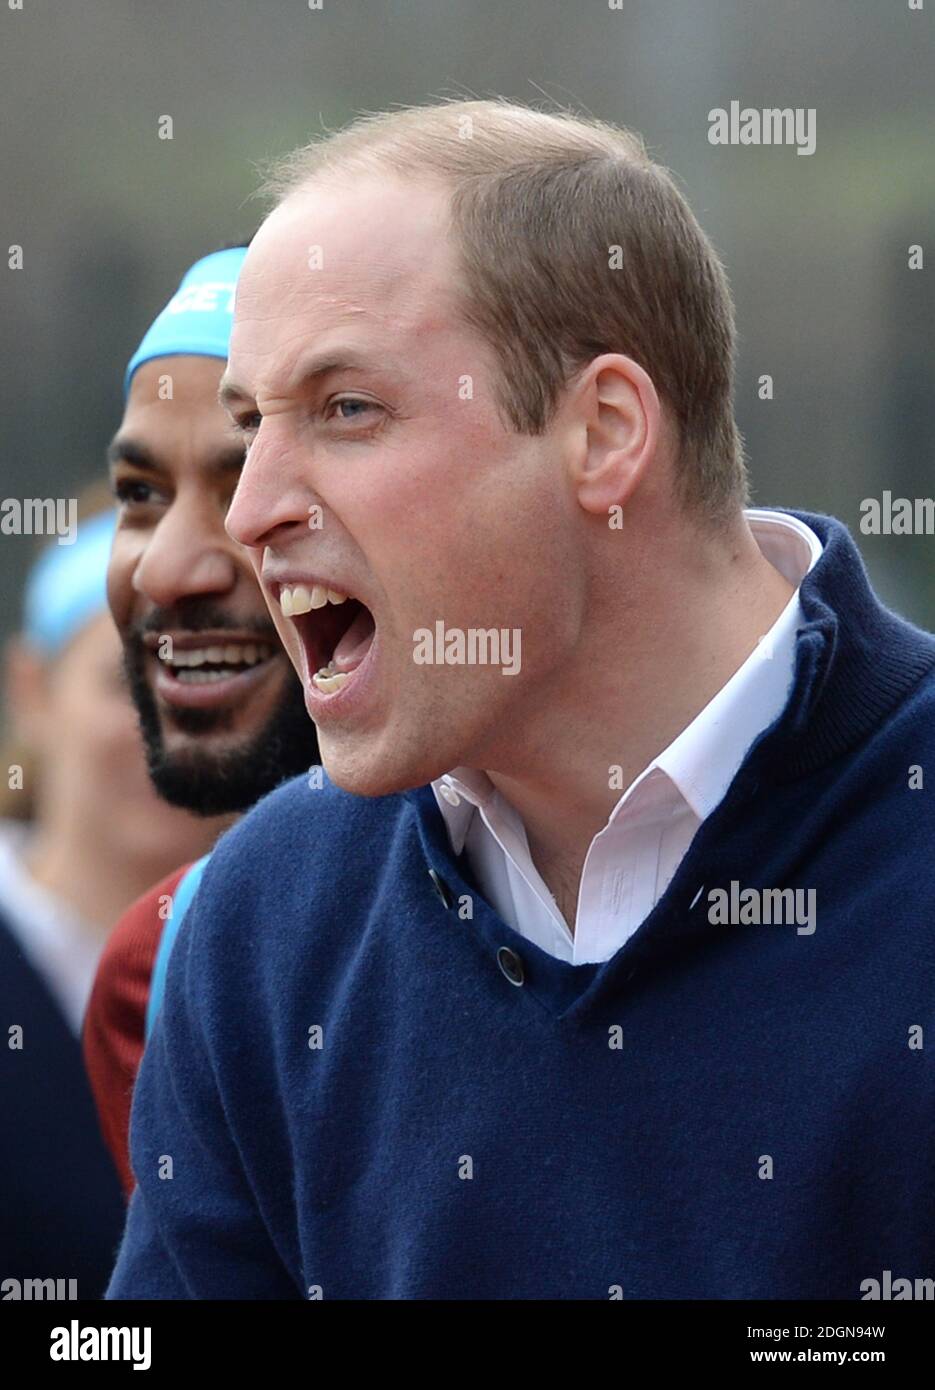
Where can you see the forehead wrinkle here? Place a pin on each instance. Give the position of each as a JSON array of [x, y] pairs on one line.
[[296, 332], [285, 303], [370, 272], [299, 343]]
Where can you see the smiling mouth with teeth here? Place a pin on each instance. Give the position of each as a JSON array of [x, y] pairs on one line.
[[336, 631], [203, 665]]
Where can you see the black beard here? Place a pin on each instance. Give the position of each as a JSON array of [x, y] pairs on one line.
[[213, 784]]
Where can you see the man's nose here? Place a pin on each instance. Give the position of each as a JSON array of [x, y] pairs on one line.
[[272, 492], [188, 554]]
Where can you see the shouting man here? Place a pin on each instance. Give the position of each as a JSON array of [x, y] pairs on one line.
[[521, 1002]]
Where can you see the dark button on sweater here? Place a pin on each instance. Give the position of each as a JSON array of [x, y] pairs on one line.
[[511, 965]]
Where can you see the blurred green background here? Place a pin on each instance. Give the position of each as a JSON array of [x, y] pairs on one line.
[[816, 247]]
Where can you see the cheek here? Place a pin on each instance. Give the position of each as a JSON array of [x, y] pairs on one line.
[[465, 525], [408, 514]]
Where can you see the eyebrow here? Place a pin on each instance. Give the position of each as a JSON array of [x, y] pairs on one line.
[[126, 450], [307, 371]]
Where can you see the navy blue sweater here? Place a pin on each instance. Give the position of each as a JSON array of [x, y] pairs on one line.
[[718, 1111]]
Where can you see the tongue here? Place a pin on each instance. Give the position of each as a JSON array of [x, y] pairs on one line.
[[352, 648]]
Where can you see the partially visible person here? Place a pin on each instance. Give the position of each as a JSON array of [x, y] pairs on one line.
[[97, 833], [221, 708]]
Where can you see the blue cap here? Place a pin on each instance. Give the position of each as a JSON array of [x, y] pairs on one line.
[[197, 320], [67, 585]]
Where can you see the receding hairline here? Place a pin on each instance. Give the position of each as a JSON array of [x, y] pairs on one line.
[[451, 139]]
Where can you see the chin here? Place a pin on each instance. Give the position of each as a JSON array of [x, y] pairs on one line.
[[362, 781], [364, 775]]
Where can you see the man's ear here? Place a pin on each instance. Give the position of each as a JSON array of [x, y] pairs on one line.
[[617, 405], [26, 692]]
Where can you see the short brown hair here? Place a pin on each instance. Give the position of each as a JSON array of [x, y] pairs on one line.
[[574, 243]]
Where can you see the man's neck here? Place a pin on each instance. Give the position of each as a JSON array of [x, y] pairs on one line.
[[689, 630]]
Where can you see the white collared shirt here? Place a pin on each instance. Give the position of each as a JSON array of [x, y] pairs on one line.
[[56, 942], [631, 862]]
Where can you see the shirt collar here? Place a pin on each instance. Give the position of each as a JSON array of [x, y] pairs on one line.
[[703, 759]]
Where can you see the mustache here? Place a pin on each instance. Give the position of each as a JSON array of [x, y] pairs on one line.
[[200, 615]]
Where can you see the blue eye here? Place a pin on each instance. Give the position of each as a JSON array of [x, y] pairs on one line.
[[353, 402]]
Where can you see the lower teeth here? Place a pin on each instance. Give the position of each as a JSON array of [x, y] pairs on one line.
[[193, 676], [328, 680]]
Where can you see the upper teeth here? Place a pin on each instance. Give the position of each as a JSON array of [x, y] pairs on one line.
[[246, 653], [298, 598]]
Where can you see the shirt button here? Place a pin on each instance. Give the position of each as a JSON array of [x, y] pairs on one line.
[[450, 795], [441, 887], [511, 965]]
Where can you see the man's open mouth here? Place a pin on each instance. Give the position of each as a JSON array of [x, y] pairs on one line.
[[336, 631]]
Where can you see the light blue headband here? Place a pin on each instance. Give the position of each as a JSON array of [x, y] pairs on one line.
[[67, 585], [197, 320]]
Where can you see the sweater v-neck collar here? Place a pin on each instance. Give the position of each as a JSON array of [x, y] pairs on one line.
[[855, 661]]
